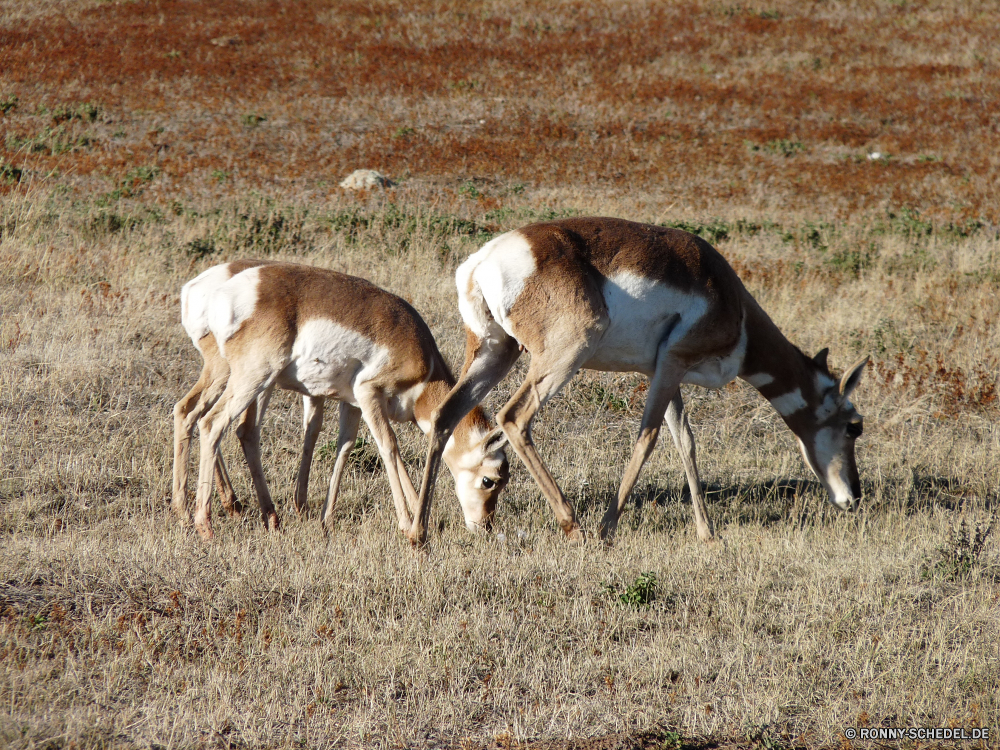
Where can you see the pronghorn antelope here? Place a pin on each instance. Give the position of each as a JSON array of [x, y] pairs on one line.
[[613, 295], [195, 296], [327, 335]]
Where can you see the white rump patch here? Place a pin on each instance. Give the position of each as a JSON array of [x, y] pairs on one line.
[[640, 313], [330, 360], [195, 298], [490, 281], [232, 304], [789, 403], [759, 380]]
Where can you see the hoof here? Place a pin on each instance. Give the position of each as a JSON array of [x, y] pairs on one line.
[[271, 521], [205, 532], [235, 509], [607, 532], [180, 508], [575, 534]]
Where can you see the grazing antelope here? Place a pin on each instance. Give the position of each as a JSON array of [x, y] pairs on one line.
[[195, 296], [327, 335], [613, 295]]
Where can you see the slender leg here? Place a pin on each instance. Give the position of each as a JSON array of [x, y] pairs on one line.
[[663, 386], [489, 363], [372, 405], [187, 412], [248, 432], [541, 383], [240, 394], [312, 417], [224, 485], [347, 434], [680, 429]]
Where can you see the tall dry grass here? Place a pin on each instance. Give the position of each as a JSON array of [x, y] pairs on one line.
[[121, 629]]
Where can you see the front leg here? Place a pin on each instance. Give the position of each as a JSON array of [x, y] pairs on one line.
[[488, 361], [680, 429], [373, 410], [350, 420], [663, 386], [312, 418], [248, 432]]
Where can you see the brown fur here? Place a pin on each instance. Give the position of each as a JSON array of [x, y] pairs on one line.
[[560, 316], [288, 296]]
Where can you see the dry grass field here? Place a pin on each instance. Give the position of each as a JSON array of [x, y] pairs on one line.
[[843, 154]]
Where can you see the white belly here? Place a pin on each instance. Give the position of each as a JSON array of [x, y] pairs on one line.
[[641, 313], [330, 360]]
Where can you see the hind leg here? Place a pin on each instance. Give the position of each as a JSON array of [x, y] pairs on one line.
[[239, 396], [248, 432], [187, 412]]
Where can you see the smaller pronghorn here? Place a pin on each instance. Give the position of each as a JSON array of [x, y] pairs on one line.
[[327, 335], [195, 296], [613, 295]]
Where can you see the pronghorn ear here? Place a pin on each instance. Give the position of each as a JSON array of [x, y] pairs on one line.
[[494, 441], [852, 377], [820, 358]]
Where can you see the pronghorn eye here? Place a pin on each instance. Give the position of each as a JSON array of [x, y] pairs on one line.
[[854, 429], [488, 484]]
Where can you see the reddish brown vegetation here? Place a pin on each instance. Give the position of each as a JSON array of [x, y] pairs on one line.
[[685, 97]]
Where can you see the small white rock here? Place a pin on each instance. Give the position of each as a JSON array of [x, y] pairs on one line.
[[366, 179], [874, 156], [501, 537], [522, 535]]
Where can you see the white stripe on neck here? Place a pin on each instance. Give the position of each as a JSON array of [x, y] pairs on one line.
[[759, 379], [789, 403]]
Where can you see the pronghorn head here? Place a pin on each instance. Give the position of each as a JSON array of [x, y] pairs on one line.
[[481, 472], [828, 428]]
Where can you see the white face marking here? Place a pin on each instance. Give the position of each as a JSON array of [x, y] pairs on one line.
[[195, 298], [716, 372], [497, 273], [759, 380], [824, 382], [468, 468], [789, 403], [830, 466], [232, 304], [640, 312], [331, 360], [825, 410]]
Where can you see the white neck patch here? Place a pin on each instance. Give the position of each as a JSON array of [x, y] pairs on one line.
[[759, 380], [789, 403]]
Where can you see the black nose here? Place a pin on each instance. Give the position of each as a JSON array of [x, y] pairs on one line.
[[856, 491]]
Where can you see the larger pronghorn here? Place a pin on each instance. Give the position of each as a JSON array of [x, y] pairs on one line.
[[328, 335], [613, 295]]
